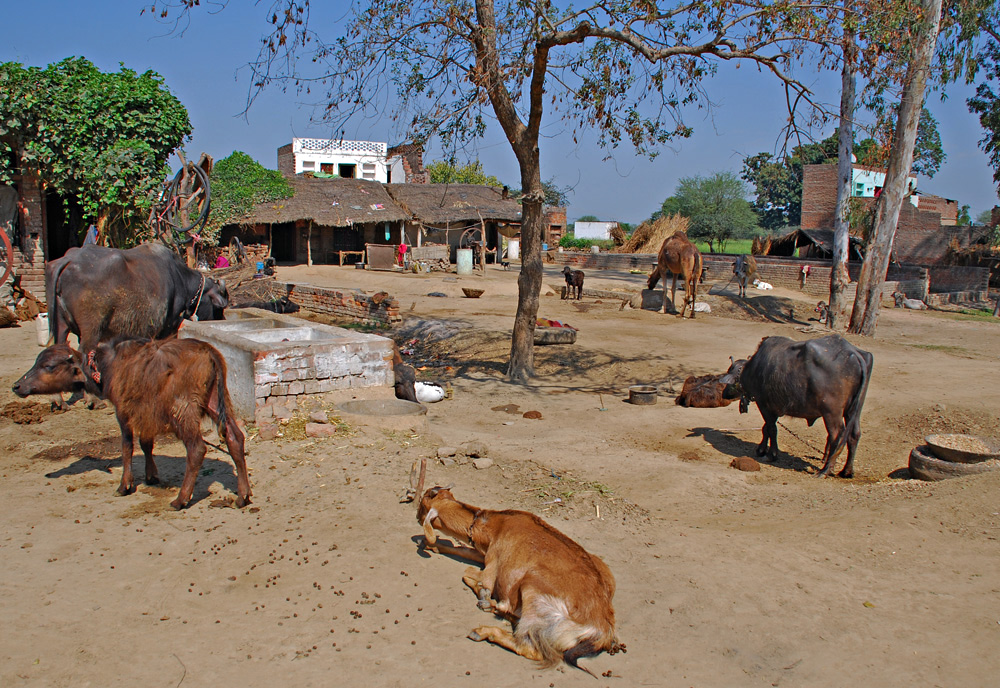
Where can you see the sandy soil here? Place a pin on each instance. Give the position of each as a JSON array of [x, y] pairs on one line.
[[724, 578]]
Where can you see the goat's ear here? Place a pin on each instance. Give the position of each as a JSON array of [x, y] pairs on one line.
[[448, 486], [431, 515]]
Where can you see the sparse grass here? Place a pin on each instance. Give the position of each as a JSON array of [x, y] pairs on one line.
[[941, 347], [977, 315]]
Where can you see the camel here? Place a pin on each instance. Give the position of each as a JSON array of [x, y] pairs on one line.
[[680, 257]]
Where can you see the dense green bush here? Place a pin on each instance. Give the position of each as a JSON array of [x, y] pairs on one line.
[[585, 244]]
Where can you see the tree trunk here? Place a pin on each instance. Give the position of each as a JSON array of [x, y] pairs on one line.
[[868, 301], [839, 277], [529, 281]]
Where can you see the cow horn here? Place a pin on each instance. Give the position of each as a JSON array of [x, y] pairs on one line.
[[222, 284]]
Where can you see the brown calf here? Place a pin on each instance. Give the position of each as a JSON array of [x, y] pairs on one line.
[[157, 388], [557, 595]]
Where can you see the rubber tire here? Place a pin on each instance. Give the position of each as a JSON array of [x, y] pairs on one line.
[[925, 466]]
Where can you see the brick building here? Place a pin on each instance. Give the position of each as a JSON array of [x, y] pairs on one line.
[[926, 227]]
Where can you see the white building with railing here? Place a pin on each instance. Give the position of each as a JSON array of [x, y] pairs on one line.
[[341, 158]]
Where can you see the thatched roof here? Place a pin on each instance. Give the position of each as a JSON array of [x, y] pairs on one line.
[[822, 239], [442, 203], [330, 203]]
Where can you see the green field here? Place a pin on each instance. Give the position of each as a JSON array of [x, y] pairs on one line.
[[735, 246]]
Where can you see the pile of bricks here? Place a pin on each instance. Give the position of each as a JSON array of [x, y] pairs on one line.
[[369, 309]]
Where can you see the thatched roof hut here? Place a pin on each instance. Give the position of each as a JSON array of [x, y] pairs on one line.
[[330, 203], [440, 204], [818, 243]]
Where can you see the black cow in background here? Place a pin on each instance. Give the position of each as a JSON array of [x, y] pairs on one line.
[[574, 283], [821, 378]]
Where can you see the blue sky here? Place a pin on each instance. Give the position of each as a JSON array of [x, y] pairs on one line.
[[204, 67]]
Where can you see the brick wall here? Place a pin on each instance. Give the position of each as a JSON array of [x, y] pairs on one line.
[[779, 272], [948, 278], [345, 304], [819, 196], [946, 208], [286, 159], [916, 242], [30, 265]]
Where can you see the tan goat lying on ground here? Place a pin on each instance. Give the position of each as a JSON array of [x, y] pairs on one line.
[[557, 595]]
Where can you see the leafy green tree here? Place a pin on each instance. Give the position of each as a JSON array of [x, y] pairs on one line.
[[447, 172], [778, 181], [984, 218], [716, 208], [238, 184], [986, 104], [928, 153], [964, 219], [102, 139], [670, 206]]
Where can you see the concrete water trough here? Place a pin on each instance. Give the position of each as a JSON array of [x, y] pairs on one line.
[[276, 358]]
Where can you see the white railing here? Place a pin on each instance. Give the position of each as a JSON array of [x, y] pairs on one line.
[[331, 146]]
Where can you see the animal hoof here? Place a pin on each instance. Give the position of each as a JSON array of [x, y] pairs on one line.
[[153, 481], [474, 635], [97, 405], [242, 501], [125, 490], [177, 504], [845, 474], [760, 451], [485, 605]]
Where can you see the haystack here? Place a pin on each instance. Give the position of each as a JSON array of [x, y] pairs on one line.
[[650, 235]]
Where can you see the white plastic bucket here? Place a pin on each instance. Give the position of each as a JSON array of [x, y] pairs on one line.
[[513, 249], [464, 260], [42, 328]]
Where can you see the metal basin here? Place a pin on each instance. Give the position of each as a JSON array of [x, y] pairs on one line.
[[642, 395]]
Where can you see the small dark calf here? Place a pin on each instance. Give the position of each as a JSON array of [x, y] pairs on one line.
[[282, 305], [574, 281], [711, 391], [157, 388]]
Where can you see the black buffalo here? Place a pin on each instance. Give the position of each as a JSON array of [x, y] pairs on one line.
[[100, 294], [821, 378]]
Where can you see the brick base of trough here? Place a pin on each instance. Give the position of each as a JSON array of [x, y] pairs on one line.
[[382, 309], [277, 358]]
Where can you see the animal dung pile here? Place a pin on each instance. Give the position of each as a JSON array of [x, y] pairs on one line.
[[953, 455]]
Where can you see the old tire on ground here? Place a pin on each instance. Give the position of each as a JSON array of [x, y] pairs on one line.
[[925, 466], [555, 335]]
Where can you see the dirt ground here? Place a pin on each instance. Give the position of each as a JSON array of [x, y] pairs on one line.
[[724, 578]]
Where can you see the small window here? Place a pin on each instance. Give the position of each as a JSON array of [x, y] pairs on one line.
[[308, 164], [859, 189], [347, 171], [326, 167]]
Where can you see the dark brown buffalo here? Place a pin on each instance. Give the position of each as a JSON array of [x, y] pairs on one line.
[[157, 388], [820, 378], [102, 294]]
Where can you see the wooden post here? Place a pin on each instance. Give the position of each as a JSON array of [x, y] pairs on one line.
[[309, 236]]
